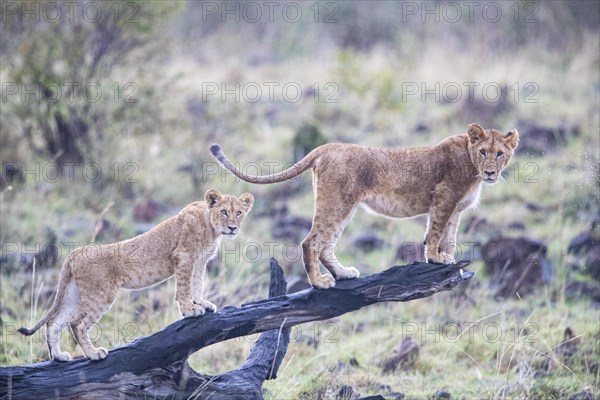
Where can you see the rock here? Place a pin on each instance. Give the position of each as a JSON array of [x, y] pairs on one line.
[[197, 109], [367, 242], [537, 139], [273, 212], [17, 257], [105, 232], [396, 396], [568, 348], [575, 290], [146, 210], [404, 356], [283, 191], [382, 387], [8, 311], [389, 393], [10, 173], [516, 266], [583, 395], [479, 226], [345, 393], [442, 394], [410, 252], [291, 228], [311, 341], [307, 138], [509, 391], [583, 242], [483, 110], [531, 206], [422, 128], [585, 247], [342, 365], [297, 283], [516, 226], [44, 296]]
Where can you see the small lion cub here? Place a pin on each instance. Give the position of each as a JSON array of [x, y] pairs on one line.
[[181, 245]]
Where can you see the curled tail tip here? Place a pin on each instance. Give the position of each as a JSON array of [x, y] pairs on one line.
[[25, 331], [215, 149]]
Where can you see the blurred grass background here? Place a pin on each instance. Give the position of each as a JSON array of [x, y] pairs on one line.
[[80, 163]]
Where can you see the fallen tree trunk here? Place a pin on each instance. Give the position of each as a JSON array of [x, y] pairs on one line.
[[156, 366]]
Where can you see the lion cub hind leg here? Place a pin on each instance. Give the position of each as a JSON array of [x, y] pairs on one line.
[[311, 249], [80, 328], [68, 310], [330, 219], [94, 303], [336, 268]]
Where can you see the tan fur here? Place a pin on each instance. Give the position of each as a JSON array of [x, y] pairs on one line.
[[181, 246], [441, 181]]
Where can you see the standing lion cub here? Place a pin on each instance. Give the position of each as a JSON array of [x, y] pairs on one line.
[[181, 245], [440, 181]]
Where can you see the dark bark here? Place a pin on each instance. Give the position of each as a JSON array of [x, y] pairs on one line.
[[156, 366]]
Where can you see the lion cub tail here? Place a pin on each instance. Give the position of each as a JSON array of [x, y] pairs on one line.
[[65, 277], [292, 172]]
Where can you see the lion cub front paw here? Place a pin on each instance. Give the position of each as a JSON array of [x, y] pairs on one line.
[[99, 354], [440, 258], [64, 356], [323, 282], [448, 258], [192, 310], [206, 304], [348, 273]]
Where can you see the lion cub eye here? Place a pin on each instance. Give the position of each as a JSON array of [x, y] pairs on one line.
[[238, 213], [482, 152], [499, 154], [224, 212]]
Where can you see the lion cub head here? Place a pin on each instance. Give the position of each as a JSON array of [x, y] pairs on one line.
[[226, 212], [490, 151]]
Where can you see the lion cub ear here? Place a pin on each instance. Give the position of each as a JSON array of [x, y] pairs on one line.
[[212, 197], [247, 199], [512, 138], [476, 133]]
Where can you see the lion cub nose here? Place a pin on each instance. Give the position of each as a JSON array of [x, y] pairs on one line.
[[232, 228], [489, 173]]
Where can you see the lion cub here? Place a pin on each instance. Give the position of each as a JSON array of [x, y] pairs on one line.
[[181, 245], [440, 181]]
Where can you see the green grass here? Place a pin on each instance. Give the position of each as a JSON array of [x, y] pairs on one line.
[[472, 366], [524, 362], [477, 348]]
